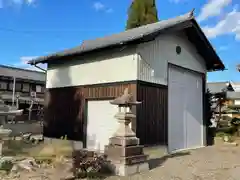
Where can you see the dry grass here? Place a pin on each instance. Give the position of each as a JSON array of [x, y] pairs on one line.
[[217, 162], [53, 149]]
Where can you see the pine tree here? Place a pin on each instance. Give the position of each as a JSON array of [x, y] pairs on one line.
[[142, 12], [208, 106], [208, 116]]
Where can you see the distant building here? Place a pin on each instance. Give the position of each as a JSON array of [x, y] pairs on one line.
[[219, 87], [236, 86], [227, 96], [28, 84]]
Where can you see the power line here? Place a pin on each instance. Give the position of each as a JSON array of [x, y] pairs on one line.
[[49, 30]]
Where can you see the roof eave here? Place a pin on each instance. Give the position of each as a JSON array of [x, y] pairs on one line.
[[182, 25], [218, 64], [215, 63]]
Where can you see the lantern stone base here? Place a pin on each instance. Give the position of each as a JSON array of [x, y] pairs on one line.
[[124, 151], [124, 141], [126, 156]]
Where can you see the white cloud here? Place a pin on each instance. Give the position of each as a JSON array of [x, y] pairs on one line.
[[25, 59], [212, 8], [36, 69], [230, 24], [23, 63], [98, 6], [30, 1], [19, 3], [109, 10], [223, 48], [1, 4], [175, 1]]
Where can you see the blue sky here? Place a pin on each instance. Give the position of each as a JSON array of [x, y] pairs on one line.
[[31, 28]]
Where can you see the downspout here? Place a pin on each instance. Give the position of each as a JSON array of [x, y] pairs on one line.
[[40, 68]]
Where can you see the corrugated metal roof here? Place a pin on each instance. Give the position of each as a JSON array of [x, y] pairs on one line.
[[233, 95], [130, 36], [236, 86], [217, 87], [9, 71]]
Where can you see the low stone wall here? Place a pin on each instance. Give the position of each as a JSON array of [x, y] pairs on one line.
[[26, 127], [76, 145]]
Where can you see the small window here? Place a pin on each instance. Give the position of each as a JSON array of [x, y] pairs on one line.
[[38, 89], [18, 86], [10, 86], [43, 88], [178, 50], [3, 85], [26, 87], [33, 87]]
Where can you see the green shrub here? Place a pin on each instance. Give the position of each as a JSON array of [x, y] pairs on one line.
[[235, 122], [208, 108], [90, 164], [6, 166], [227, 130]]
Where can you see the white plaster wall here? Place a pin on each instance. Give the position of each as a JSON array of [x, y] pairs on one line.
[[154, 56], [236, 87], [237, 102], [102, 68], [148, 62]]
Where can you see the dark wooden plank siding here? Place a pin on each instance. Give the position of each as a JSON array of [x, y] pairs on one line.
[[152, 114], [65, 107], [63, 113]]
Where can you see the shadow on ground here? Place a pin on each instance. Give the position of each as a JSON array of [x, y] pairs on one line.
[[156, 162], [153, 163]]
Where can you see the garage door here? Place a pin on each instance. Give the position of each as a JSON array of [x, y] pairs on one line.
[[101, 124], [185, 109]]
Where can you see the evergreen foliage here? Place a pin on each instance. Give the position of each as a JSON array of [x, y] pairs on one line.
[[142, 12], [208, 110]]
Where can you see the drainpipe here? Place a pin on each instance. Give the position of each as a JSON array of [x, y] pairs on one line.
[[40, 68]]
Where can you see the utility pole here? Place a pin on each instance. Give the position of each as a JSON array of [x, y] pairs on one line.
[[13, 89], [17, 101], [30, 109]]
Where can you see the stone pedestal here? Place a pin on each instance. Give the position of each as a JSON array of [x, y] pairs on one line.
[[124, 151]]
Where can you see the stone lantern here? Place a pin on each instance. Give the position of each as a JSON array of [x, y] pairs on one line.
[[124, 151], [5, 111]]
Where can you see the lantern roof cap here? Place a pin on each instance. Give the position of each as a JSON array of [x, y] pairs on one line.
[[125, 100]]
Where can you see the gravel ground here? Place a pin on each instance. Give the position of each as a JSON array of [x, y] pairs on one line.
[[210, 163], [219, 162]]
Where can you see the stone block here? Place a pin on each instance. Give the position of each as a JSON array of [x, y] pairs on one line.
[[134, 159], [143, 167], [124, 141], [116, 151], [127, 170], [129, 160]]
